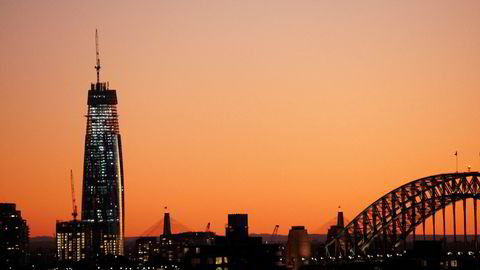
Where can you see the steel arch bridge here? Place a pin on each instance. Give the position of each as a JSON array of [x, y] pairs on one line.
[[389, 220]]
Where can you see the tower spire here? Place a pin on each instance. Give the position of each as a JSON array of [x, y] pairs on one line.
[[97, 67]]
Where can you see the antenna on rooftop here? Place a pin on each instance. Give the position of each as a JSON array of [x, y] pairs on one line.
[[97, 67]]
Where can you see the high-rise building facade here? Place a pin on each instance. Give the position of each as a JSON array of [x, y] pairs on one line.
[[103, 183], [13, 237]]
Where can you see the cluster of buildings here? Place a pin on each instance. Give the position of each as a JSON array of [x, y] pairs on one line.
[[205, 250], [98, 235], [237, 249], [188, 250]]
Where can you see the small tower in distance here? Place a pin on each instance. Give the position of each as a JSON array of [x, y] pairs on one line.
[[167, 226], [340, 222], [334, 230]]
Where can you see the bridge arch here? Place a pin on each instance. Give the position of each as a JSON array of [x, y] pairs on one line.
[[389, 220]]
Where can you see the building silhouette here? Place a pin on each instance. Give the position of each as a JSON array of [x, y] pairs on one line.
[[237, 228], [14, 234], [235, 251], [103, 182]]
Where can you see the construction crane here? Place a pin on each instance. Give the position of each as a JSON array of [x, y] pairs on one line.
[[274, 234], [208, 227], [74, 204]]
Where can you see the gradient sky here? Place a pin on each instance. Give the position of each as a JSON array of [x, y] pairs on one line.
[[279, 109]]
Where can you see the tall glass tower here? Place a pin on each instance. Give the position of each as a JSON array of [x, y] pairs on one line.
[[103, 199]]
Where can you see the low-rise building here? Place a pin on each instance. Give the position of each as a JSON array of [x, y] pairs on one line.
[[73, 240]]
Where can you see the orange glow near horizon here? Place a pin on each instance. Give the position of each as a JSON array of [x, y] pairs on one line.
[[279, 109]]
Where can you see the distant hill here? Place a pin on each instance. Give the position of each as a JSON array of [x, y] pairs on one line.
[[42, 242]]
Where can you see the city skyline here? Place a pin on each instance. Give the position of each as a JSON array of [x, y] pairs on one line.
[[278, 110]]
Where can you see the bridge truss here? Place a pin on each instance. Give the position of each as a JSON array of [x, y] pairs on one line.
[[387, 222]]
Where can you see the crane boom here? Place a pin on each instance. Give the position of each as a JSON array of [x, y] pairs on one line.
[[275, 232], [74, 204]]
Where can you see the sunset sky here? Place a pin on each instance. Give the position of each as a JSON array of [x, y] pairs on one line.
[[280, 109]]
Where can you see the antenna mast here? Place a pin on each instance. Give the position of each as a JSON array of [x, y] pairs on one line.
[[74, 205], [97, 67]]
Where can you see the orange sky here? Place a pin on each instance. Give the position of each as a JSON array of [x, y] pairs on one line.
[[279, 109]]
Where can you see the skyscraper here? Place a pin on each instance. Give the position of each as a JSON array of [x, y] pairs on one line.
[[103, 198]]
